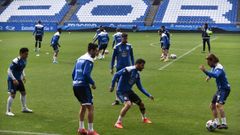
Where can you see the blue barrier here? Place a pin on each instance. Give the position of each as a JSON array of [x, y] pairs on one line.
[[15, 26]]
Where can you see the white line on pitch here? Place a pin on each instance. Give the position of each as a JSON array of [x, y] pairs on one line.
[[188, 52], [25, 133]]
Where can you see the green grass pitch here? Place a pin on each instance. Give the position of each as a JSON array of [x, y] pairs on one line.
[[181, 94]]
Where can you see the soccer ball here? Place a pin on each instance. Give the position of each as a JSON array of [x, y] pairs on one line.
[[173, 56], [211, 125], [209, 32], [106, 52]]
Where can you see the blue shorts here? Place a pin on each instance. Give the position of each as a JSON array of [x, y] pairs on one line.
[[165, 47], [220, 96], [55, 48], [129, 96], [102, 47], [83, 94], [13, 89]]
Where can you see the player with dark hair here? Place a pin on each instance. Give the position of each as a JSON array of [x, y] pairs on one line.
[[123, 56], [223, 89], [127, 78], [103, 40], [55, 44], [165, 31], [38, 32], [16, 80], [81, 86], [165, 45]]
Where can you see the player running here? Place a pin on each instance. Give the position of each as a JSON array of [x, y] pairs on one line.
[[16, 80], [206, 37], [55, 44], [38, 32], [117, 37], [123, 54], [165, 45], [81, 86], [103, 40], [223, 89], [127, 78]]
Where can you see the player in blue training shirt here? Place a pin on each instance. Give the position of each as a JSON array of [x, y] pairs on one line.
[[98, 31], [165, 44], [123, 55], [223, 89], [127, 78], [103, 40], [117, 37], [55, 44], [38, 32], [81, 86], [16, 80]]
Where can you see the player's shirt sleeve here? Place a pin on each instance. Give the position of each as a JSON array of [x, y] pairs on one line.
[[215, 74], [140, 87], [12, 67], [131, 55], [87, 72], [117, 75], [73, 72], [113, 57], [35, 29]]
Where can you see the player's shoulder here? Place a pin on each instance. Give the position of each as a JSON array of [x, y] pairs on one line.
[[130, 68], [39, 25], [86, 57], [116, 46], [57, 34], [16, 60], [219, 66], [129, 45]]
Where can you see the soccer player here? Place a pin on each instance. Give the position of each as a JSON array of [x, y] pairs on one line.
[[223, 89], [38, 32], [163, 28], [81, 86], [103, 40], [98, 31], [165, 44], [16, 80], [123, 54], [127, 78], [206, 37], [117, 37], [55, 44]]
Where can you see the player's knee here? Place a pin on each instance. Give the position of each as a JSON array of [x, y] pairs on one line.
[[128, 104], [212, 106], [13, 95], [220, 106], [23, 93]]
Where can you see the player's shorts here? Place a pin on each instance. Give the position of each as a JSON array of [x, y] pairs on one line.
[[83, 94], [102, 47], [220, 96], [55, 48], [38, 37], [13, 89], [166, 47], [129, 96]]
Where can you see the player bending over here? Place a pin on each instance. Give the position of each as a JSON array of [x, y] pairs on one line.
[[55, 44], [127, 78], [223, 89], [16, 80], [123, 56], [81, 86], [38, 32]]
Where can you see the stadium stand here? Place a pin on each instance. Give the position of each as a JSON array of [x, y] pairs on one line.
[[140, 14]]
